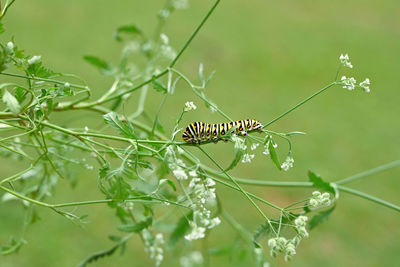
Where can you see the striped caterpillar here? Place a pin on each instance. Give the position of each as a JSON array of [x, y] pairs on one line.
[[198, 132]]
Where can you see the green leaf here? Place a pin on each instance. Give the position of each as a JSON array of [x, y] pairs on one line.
[[273, 155], [295, 133], [159, 87], [11, 102], [319, 183], [100, 254], [136, 228], [238, 156], [320, 218], [39, 71], [13, 247], [20, 94], [180, 230], [123, 128], [128, 29], [102, 65]]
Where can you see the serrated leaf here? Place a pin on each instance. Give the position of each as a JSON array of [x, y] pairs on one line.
[[319, 183], [101, 64], [180, 230], [136, 228], [123, 128], [11, 102], [274, 155], [159, 87], [20, 94], [129, 29], [295, 133], [319, 218], [98, 255], [238, 156]]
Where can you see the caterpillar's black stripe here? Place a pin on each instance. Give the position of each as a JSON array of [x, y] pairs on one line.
[[198, 132]]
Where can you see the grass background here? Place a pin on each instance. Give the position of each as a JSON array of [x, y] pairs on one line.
[[268, 55]]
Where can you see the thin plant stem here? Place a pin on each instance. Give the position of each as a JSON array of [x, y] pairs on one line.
[[368, 197], [361, 175], [299, 104], [239, 187]]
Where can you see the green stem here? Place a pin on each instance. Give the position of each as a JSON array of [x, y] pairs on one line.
[[368, 197], [18, 195], [44, 80], [299, 104], [381, 168], [15, 176], [239, 187], [194, 33]]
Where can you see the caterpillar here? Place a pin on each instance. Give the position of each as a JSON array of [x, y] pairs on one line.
[[198, 132]]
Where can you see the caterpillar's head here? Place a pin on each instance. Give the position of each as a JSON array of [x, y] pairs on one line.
[[256, 125]]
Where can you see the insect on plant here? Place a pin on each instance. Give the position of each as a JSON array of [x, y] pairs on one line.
[[163, 190]]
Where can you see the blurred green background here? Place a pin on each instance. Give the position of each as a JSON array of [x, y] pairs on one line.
[[268, 55]]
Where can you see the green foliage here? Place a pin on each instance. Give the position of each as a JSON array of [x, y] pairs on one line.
[[320, 217], [319, 183], [145, 174]]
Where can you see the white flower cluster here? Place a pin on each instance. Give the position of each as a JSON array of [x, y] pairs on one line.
[[154, 246], [348, 83], [365, 85], [318, 199], [282, 245], [288, 163], [300, 223], [180, 4], [247, 158], [10, 48], [193, 259], [344, 59], [189, 106], [288, 247], [239, 142], [176, 164], [166, 50], [270, 140], [34, 60], [203, 192], [254, 146]]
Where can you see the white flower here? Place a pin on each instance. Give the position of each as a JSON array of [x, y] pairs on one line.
[[86, 129], [193, 173], [196, 233], [288, 163], [67, 84], [180, 150], [164, 38], [193, 182], [301, 221], [319, 199], [193, 259], [214, 222], [344, 59], [10, 48], [254, 146], [365, 85], [180, 174], [210, 182], [189, 106], [348, 83], [180, 4], [239, 143], [34, 60], [247, 158]]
